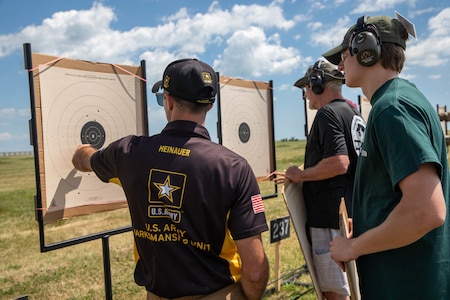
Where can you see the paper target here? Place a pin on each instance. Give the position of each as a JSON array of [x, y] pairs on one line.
[[245, 122], [82, 107]]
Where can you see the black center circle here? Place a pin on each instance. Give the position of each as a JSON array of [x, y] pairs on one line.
[[244, 132], [94, 134]]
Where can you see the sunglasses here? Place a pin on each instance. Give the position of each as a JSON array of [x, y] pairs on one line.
[[160, 98]]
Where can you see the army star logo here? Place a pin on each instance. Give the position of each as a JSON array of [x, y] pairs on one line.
[[166, 189]]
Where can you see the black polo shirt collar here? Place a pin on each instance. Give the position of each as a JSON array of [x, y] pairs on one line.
[[186, 128]]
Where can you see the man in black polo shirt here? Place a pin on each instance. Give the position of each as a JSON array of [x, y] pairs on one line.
[[196, 209]]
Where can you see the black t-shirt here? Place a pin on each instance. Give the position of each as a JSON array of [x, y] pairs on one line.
[[337, 129], [189, 199]]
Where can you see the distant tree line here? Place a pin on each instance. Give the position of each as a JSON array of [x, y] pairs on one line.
[[292, 139], [16, 153]]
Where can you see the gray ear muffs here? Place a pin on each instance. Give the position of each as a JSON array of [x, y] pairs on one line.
[[316, 79], [365, 43]]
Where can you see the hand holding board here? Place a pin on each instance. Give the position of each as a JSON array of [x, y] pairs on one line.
[[350, 266]]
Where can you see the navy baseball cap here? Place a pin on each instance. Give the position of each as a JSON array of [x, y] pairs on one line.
[[188, 79]]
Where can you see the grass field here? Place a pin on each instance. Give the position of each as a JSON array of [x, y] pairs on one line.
[[76, 272]]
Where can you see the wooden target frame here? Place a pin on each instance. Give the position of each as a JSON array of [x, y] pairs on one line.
[[80, 102]]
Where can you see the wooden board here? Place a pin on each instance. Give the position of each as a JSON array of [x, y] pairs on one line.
[[350, 267], [293, 196]]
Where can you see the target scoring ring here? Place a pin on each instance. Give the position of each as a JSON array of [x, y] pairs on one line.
[[244, 132], [93, 133]]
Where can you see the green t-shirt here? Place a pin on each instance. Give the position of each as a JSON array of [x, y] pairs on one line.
[[403, 132]]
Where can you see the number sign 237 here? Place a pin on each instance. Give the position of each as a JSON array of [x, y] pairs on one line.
[[279, 229]]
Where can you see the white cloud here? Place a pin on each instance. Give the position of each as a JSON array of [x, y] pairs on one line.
[[301, 18], [250, 53], [5, 136], [407, 76], [181, 14], [318, 5], [284, 87], [10, 142], [367, 6], [7, 112], [25, 112], [88, 35], [432, 51], [314, 25], [70, 33], [11, 113], [415, 13], [156, 61], [332, 36], [440, 24]]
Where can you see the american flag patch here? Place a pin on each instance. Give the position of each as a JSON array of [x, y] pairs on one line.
[[257, 204]]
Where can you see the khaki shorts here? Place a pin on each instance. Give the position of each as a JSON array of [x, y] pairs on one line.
[[231, 292]]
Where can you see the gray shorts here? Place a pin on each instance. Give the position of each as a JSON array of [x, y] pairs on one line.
[[329, 275]]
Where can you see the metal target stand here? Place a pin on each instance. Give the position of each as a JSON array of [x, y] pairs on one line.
[[104, 235]]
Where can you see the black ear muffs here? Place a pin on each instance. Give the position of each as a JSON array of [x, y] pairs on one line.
[[316, 79], [365, 43]]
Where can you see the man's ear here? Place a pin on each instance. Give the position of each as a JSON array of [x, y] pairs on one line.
[[170, 101]]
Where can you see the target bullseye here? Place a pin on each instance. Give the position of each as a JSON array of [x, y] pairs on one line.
[[244, 132], [93, 133]]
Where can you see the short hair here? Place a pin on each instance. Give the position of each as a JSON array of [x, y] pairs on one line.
[[335, 85], [193, 107], [392, 56]]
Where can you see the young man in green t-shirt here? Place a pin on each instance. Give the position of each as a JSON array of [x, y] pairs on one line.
[[401, 236]]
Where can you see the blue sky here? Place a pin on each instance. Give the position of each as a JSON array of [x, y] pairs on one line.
[[256, 40]]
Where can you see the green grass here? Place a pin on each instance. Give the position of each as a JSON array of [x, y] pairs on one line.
[[76, 272], [289, 153]]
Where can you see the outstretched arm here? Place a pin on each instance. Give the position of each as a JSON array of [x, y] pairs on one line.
[[81, 159]]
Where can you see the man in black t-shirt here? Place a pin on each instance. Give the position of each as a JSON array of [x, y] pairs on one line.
[[195, 206], [331, 153]]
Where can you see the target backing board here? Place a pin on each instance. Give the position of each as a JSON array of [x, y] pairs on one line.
[[246, 122], [80, 102], [364, 107]]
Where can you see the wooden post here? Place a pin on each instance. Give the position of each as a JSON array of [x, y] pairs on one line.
[[277, 266]]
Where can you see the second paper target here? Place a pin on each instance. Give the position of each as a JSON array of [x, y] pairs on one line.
[[245, 125]]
